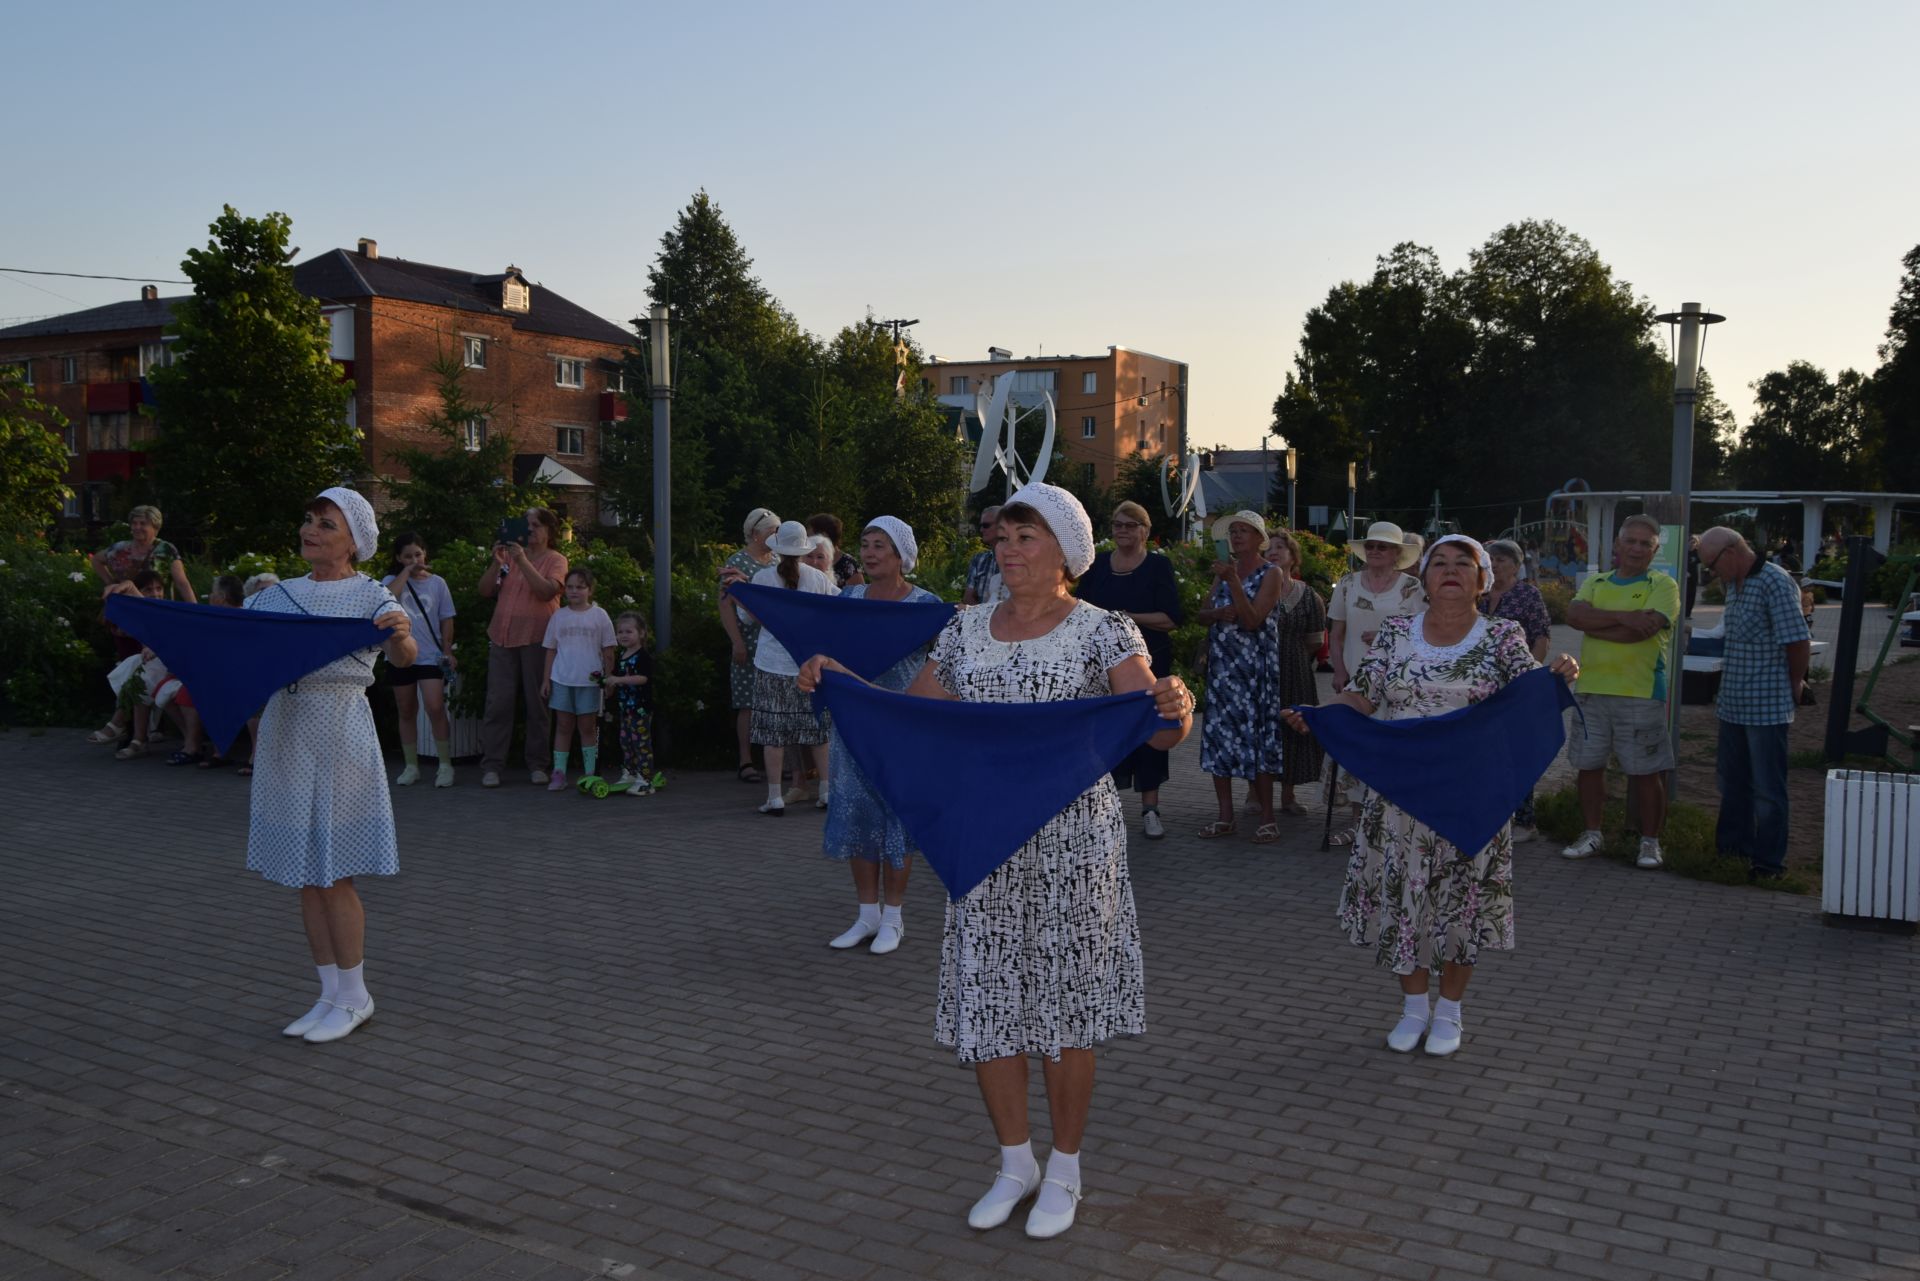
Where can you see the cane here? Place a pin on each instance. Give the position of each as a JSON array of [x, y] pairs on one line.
[[1333, 783]]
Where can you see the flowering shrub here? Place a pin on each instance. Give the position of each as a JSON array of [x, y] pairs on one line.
[[54, 637]]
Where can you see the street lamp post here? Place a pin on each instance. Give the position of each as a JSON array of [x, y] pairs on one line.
[[660, 387], [1293, 463], [1353, 480], [1691, 322]]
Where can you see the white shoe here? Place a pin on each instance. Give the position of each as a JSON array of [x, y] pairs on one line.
[[338, 1022], [489, 779], [1041, 1225], [308, 1021], [538, 777], [1589, 844], [860, 933], [774, 809], [626, 779], [1443, 1037], [1151, 825], [1522, 833], [443, 777], [1406, 1034], [408, 776], [996, 1207], [1649, 853], [820, 801], [888, 938]]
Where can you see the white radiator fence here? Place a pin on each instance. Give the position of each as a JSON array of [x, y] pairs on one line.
[[1872, 867], [466, 734]]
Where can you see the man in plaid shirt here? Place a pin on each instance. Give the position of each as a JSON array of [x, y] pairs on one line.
[[1764, 670]]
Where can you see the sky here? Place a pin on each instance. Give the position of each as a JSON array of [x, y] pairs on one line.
[[1048, 177]]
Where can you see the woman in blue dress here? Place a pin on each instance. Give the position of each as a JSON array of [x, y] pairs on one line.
[[1240, 737], [861, 829]]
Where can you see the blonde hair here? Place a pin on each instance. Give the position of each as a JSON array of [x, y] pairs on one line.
[[1286, 539], [1134, 511], [147, 512]]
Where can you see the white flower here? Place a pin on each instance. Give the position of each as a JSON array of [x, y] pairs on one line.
[[76, 577], [699, 704], [624, 600], [63, 622]]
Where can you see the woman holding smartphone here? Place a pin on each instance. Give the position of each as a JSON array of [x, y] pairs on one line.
[[524, 580], [428, 602]]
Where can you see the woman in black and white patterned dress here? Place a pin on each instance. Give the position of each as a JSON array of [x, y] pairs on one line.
[[1043, 957]]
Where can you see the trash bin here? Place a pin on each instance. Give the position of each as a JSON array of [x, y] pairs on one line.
[[1871, 874]]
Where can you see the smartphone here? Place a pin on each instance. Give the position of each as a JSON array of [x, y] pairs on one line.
[[1221, 551], [512, 530]]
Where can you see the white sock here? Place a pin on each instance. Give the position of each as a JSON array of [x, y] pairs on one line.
[[329, 981], [353, 986], [1065, 1168], [870, 914], [1445, 1009], [890, 915], [1416, 1007], [775, 796]]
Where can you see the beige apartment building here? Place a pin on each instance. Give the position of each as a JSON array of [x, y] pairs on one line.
[[1110, 407]]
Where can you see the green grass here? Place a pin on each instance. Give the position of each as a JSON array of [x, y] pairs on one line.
[[1816, 758], [1687, 843]]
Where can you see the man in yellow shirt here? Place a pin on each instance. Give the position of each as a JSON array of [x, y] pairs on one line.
[[1626, 617]]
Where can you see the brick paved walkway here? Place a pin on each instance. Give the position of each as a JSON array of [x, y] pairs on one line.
[[612, 1042]]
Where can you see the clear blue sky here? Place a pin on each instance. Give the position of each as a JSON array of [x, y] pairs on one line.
[[1187, 179]]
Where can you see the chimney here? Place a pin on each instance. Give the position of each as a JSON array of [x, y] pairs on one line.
[[369, 248], [999, 354], [149, 293]]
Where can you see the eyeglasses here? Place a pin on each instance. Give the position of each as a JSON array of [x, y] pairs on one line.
[[1126, 524], [1718, 556], [1380, 547]]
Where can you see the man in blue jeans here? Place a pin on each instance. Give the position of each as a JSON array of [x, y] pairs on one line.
[[1764, 670]]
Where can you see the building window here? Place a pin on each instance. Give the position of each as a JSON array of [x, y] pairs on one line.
[[617, 381], [153, 355], [474, 355], [1033, 381], [70, 510], [107, 431], [1089, 383], [123, 364], [1087, 428], [1163, 435], [70, 437], [473, 434], [570, 441], [569, 373], [26, 370], [1142, 425], [69, 369], [959, 385]]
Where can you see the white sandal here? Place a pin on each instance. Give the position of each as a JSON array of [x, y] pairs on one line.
[[137, 747]]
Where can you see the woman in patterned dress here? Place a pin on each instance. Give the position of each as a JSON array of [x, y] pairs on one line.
[[1302, 622], [861, 829], [1241, 735], [744, 632], [1421, 903], [1364, 599], [1043, 957], [1513, 597], [321, 813]]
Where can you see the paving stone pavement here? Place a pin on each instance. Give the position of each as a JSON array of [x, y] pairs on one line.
[[612, 1042]]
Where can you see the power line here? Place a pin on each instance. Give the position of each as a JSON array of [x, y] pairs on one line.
[[83, 275]]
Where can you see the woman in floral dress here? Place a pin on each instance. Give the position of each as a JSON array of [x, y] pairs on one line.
[[744, 633], [1421, 903], [1240, 737], [1302, 621], [1512, 596]]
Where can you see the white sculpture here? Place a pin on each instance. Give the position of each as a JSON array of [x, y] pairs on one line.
[[1000, 417], [1187, 485]]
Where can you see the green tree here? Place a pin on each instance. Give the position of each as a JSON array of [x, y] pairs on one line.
[[1895, 460], [33, 461], [253, 412], [1808, 431], [453, 490], [1714, 435]]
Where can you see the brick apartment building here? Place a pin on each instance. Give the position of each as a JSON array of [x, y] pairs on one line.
[[550, 369], [1109, 407]]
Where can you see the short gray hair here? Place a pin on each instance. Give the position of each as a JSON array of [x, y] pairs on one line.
[[1508, 548], [1642, 518]]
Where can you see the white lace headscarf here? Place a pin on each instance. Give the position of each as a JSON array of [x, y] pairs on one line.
[[901, 535], [360, 521], [1479, 555], [1065, 517]]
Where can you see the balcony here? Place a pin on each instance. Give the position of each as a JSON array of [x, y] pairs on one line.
[[613, 407], [114, 464], [113, 398]]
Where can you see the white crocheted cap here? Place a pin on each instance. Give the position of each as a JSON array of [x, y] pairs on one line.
[[360, 521], [1479, 554], [901, 534], [1065, 517]]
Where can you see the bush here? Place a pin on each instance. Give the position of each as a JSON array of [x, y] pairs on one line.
[[54, 636], [1558, 595], [1885, 583]]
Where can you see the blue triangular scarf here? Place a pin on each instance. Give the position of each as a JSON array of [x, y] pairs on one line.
[[231, 660], [1462, 773], [866, 636], [973, 782]]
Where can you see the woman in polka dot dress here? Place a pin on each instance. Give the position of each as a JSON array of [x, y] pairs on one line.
[[321, 811]]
